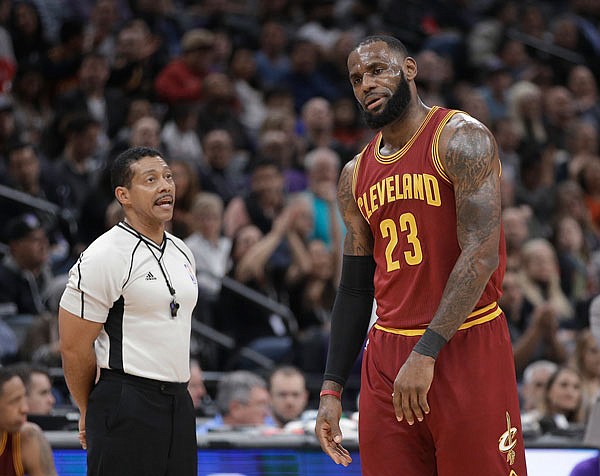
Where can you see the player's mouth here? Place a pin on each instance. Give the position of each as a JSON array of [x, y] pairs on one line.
[[374, 101], [165, 201]]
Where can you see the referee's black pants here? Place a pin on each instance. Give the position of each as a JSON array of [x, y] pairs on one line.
[[140, 427]]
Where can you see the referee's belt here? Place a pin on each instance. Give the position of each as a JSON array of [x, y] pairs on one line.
[[478, 316], [168, 388]]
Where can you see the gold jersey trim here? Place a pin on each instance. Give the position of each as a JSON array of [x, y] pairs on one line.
[[3, 441], [388, 159], [489, 312], [435, 155], [17, 459], [355, 171]]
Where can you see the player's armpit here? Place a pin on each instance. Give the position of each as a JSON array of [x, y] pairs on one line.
[[359, 239]]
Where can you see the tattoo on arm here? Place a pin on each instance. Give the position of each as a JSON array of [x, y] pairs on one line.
[[358, 240], [471, 161]]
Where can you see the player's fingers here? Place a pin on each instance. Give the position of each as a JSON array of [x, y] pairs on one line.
[[423, 403], [407, 409], [415, 405], [397, 401]]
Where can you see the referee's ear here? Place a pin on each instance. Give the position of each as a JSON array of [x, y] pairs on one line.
[[122, 194]]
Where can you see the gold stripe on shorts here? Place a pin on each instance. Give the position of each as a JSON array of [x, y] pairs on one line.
[[479, 316]]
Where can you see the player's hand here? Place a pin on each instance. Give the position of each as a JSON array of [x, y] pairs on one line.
[[82, 439], [328, 430], [411, 386]]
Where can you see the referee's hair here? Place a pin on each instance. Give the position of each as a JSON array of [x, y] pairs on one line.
[[120, 169], [236, 387]]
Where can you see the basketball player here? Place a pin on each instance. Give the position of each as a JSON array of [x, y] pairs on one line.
[[421, 204], [23, 447]]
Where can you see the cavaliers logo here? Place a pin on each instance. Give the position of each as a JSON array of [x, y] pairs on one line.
[[507, 443]]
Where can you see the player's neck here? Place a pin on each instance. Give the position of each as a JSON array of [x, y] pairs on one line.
[[396, 135]]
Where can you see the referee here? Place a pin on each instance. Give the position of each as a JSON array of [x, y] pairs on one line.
[[127, 309]]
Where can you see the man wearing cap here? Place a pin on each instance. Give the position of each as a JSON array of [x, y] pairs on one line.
[[181, 79], [24, 271]]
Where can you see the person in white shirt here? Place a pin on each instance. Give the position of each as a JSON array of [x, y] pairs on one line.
[[127, 309]]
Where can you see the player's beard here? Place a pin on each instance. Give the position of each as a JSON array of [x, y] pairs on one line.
[[393, 110]]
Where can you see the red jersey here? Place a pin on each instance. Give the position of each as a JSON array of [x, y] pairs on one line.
[[10, 455], [408, 200]]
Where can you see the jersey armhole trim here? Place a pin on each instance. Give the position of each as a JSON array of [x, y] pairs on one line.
[[435, 155]]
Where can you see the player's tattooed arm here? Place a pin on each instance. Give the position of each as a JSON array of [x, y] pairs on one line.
[[471, 161], [358, 240]]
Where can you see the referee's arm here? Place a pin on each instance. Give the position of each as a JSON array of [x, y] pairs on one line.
[[77, 338]]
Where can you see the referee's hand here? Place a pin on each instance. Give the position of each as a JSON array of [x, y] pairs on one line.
[[82, 439], [328, 430]]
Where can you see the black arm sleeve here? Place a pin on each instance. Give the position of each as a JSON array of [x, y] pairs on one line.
[[350, 317]]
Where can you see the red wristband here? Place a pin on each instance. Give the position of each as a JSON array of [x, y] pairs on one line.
[[333, 393]]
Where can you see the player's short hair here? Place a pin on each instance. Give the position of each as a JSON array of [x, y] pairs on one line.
[[393, 43], [6, 374], [120, 170]]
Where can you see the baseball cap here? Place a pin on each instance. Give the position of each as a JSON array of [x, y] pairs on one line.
[[19, 227], [197, 39]]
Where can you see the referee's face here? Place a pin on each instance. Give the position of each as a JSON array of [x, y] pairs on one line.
[[150, 198]]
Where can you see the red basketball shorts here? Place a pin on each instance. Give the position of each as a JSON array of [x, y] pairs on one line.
[[473, 427]]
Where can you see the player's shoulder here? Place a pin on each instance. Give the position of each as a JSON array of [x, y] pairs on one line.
[[462, 124], [464, 133], [29, 431]]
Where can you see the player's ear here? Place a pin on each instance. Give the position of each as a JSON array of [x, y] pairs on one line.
[[122, 195], [410, 68]]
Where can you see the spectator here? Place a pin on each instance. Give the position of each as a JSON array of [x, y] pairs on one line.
[[516, 233], [220, 110], [33, 111], [91, 97], [220, 169], [27, 174], [179, 135], [304, 78], [25, 275], [586, 359], [210, 249], [261, 204], [247, 88], [272, 62], [203, 404], [564, 410], [242, 401], [182, 79], [38, 388], [323, 167], [318, 122], [533, 330], [573, 258], [27, 32], [582, 83], [289, 395], [535, 381], [78, 166], [26, 449], [186, 189]]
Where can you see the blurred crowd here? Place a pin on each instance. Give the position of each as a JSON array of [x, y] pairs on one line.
[[251, 105]]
